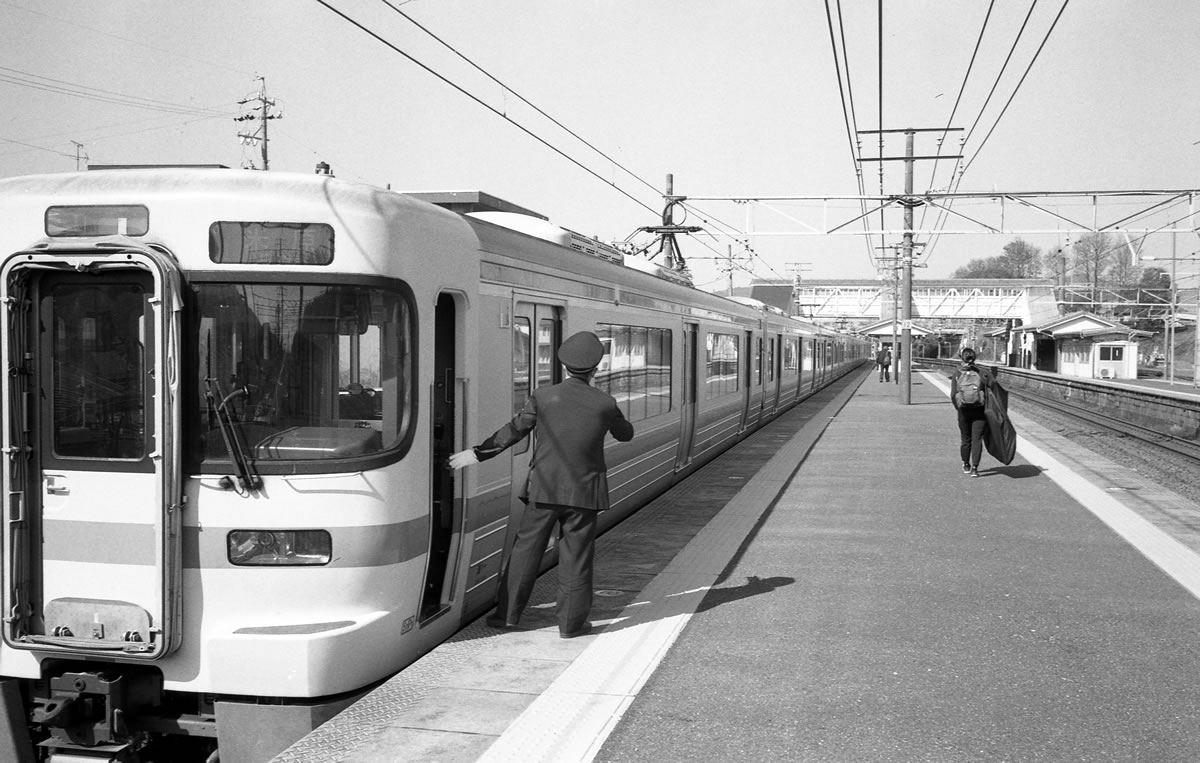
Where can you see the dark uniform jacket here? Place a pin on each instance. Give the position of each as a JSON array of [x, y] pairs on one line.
[[568, 466]]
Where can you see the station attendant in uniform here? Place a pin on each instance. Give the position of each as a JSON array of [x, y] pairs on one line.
[[567, 486]]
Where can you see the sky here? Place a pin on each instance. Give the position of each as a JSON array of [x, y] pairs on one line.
[[730, 98]]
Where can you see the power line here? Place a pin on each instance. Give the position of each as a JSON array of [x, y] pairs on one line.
[[957, 101], [1003, 67], [62, 87], [37, 148], [849, 114], [1019, 83], [487, 106], [520, 97]]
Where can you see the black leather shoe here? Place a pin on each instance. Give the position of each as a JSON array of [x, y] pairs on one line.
[[584, 630]]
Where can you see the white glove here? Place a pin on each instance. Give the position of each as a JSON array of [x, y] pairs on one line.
[[463, 458]]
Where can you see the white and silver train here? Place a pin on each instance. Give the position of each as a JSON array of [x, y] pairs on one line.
[[228, 403]]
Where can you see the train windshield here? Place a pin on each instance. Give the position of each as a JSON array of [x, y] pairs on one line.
[[300, 372]]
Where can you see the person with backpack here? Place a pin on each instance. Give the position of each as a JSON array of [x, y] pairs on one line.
[[969, 387], [883, 359]]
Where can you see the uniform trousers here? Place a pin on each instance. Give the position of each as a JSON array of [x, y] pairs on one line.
[[576, 553]]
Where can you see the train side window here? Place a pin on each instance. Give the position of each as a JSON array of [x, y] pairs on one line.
[[521, 365], [549, 370], [721, 365], [658, 372], [522, 370], [790, 357], [758, 355], [636, 369]]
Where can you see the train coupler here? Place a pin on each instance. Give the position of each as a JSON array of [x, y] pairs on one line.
[[91, 709]]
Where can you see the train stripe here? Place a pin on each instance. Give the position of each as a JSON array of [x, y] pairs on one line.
[[205, 548]]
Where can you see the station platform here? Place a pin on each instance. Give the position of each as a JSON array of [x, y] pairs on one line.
[[835, 589]]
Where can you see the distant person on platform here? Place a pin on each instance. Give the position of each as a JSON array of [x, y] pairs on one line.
[[969, 387], [883, 359], [567, 485]]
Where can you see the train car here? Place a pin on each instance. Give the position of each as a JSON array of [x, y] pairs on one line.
[[229, 401]]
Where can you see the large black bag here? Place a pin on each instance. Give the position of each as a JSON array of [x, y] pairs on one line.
[[1000, 438]]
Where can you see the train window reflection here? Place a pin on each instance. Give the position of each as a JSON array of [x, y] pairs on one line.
[[636, 369], [302, 371], [99, 380], [721, 365], [791, 356]]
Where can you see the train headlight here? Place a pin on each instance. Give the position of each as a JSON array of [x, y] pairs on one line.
[[279, 547]]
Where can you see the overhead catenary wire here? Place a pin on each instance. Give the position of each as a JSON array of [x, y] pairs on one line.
[[524, 129], [1016, 89], [950, 121], [841, 61], [958, 178], [520, 97], [543, 113], [487, 106]]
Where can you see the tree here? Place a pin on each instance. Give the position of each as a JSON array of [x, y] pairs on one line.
[[989, 267], [1019, 260], [1155, 277], [1054, 264], [1092, 257], [1125, 271], [1023, 259]]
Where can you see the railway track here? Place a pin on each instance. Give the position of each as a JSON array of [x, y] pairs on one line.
[[1152, 436]]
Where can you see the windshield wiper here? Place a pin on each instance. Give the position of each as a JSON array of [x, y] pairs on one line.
[[247, 477]]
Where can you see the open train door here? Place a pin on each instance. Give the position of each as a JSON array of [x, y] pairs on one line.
[[91, 428], [687, 408]]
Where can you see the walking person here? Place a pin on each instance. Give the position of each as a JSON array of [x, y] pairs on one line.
[[567, 486], [969, 387], [883, 359]]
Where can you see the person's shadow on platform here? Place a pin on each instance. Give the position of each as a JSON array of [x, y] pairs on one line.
[[541, 615], [753, 587]]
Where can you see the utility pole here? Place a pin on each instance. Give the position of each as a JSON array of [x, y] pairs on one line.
[[80, 154], [909, 202], [264, 115]]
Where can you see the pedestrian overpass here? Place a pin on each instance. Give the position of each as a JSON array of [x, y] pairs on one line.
[[952, 301]]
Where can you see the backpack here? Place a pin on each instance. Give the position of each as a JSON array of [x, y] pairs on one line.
[[970, 388]]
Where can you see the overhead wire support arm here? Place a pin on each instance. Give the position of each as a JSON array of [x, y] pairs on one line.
[[669, 248]]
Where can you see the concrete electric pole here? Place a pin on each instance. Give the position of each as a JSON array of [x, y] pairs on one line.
[[264, 115]]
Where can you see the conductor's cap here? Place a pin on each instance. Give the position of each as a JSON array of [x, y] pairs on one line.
[[581, 351]]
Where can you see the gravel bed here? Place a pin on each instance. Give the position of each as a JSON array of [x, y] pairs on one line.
[[1175, 472]]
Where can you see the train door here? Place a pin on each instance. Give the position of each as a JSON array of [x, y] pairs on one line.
[[808, 374], [749, 413], [91, 428], [445, 499], [687, 410], [776, 359], [537, 333]]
